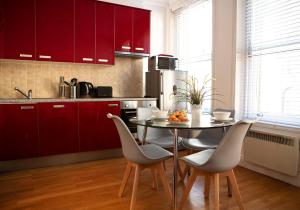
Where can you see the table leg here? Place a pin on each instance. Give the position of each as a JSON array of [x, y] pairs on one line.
[[229, 189], [175, 158], [144, 135]]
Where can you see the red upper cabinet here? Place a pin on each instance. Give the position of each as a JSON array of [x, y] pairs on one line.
[[109, 133], [141, 31], [85, 31], [58, 128], [18, 131], [1, 29], [105, 33], [55, 30], [123, 28], [17, 29]]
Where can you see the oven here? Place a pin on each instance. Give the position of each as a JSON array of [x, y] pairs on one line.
[[129, 110]]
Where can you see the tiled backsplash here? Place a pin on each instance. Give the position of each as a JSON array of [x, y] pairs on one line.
[[126, 77]]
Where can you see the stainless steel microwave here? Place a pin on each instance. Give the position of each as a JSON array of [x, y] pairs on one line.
[[162, 62]]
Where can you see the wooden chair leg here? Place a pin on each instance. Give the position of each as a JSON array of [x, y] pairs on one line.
[[125, 178], [135, 186], [164, 164], [185, 172], [229, 190], [154, 182], [181, 177], [236, 189], [206, 186], [187, 189], [164, 181], [217, 187]]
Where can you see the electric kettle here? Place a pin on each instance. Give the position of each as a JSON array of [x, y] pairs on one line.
[[85, 89]]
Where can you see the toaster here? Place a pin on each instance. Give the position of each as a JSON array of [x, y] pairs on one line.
[[103, 92]]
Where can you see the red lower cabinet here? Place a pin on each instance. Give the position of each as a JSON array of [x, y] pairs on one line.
[[109, 131], [19, 131], [30, 130], [58, 124], [96, 131], [90, 136]]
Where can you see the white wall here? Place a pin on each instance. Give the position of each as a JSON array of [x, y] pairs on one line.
[[224, 26]]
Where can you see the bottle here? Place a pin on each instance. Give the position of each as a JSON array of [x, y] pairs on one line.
[[62, 88]]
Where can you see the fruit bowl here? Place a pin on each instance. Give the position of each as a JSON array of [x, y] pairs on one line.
[[178, 117]]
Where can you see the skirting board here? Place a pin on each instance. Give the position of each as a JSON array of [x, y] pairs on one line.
[[56, 160], [293, 180]]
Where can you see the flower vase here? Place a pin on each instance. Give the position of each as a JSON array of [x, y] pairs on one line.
[[196, 112]]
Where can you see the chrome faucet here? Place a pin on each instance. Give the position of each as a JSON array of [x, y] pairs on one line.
[[29, 95]]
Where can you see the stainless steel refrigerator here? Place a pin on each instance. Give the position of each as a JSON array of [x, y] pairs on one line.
[[163, 84]]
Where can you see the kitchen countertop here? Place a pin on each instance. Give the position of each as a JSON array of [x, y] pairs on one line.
[[44, 100]]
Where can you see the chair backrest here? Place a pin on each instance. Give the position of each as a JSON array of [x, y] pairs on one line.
[[228, 153], [130, 148]]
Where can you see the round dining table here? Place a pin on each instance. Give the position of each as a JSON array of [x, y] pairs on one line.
[[202, 123]]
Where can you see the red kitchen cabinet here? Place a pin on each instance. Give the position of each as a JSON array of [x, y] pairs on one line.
[[1, 28], [105, 33], [19, 131], [85, 31], [55, 30], [90, 135], [96, 131], [109, 131], [141, 31], [17, 29], [58, 124], [123, 28]]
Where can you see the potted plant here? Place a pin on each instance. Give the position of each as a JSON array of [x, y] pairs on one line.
[[194, 94]]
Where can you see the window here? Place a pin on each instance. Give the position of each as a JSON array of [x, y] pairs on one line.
[[272, 69], [194, 41]]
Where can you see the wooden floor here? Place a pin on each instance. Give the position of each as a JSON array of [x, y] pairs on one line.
[[94, 185]]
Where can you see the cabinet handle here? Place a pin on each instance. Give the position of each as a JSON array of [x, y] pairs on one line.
[[25, 56], [27, 107], [45, 56], [126, 47], [87, 59], [58, 106], [112, 105], [103, 60], [139, 48]]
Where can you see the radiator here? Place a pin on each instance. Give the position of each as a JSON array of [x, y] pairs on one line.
[[277, 152]]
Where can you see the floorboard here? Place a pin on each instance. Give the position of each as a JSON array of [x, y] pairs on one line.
[[95, 185]]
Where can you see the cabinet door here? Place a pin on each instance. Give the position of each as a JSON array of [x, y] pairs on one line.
[[90, 135], [17, 25], [141, 31], [1, 28], [105, 36], [109, 131], [123, 28], [85, 31], [19, 131], [58, 128], [55, 30]]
